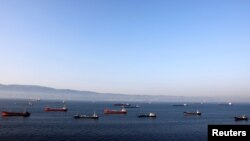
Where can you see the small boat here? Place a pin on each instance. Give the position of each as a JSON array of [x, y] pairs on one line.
[[243, 117], [198, 113], [7, 114], [80, 116], [122, 111], [48, 109], [151, 115]]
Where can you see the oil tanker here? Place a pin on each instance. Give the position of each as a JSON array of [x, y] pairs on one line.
[[49, 109], [7, 114], [109, 111]]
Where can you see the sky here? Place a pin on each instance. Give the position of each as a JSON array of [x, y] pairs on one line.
[[152, 47]]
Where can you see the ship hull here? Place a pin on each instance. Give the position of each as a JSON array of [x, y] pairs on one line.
[[121, 104], [23, 114], [131, 107], [144, 116], [85, 117], [114, 112], [55, 110], [195, 114], [239, 118]]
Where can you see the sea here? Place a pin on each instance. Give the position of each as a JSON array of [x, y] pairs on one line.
[[169, 125]]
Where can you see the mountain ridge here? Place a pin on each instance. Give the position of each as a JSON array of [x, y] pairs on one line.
[[44, 92]]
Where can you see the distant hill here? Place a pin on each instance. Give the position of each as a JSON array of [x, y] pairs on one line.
[[34, 91]]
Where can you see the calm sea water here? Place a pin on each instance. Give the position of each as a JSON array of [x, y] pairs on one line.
[[170, 124]]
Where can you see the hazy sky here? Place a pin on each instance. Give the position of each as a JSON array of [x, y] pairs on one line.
[[177, 47]]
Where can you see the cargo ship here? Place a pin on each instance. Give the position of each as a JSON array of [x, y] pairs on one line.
[[132, 106], [151, 115], [122, 104], [7, 114], [49, 109], [198, 113], [80, 116], [243, 117], [122, 111], [126, 105]]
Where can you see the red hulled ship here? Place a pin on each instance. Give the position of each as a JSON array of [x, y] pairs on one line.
[[49, 109], [122, 111], [6, 114]]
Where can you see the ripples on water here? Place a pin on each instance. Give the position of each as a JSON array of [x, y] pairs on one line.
[[170, 124]]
